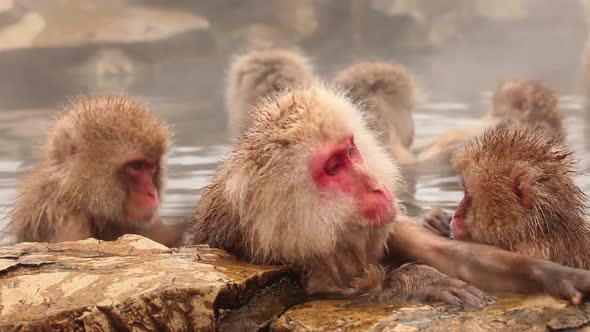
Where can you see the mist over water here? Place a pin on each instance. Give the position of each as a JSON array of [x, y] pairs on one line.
[[182, 81]]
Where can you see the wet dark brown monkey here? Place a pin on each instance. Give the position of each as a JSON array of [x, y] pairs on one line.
[[520, 195], [258, 74], [529, 102], [308, 185], [388, 94], [101, 176]]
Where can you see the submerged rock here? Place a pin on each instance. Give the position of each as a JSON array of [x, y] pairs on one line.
[[509, 313], [135, 283]]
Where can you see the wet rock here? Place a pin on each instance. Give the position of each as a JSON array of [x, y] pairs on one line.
[[510, 313], [135, 283]]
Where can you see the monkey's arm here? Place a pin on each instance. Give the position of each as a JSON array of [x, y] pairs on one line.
[[402, 154], [486, 266], [445, 143]]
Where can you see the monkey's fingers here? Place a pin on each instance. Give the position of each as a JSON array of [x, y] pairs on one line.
[[430, 228], [564, 282], [574, 296], [439, 220], [432, 284], [565, 290], [460, 290], [442, 226], [448, 298], [457, 296], [481, 295], [465, 295]]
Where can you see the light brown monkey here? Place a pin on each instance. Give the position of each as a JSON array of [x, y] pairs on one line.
[[528, 102], [388, 94], [101, 176], [258, 74], [520, 195], [308, 185]]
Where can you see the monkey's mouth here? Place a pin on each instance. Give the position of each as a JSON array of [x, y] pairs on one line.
[[142, 216], [458, 227], [384, 217]]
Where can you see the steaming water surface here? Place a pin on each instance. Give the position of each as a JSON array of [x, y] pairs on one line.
[[183, 85], [192, 162]]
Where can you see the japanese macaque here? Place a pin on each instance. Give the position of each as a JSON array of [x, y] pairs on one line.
[[528, 102], [520, 195], [258, 74], [388, 95], [101, 176], [308, 185]]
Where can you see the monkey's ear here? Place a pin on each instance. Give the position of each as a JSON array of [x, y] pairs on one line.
[[522, 186], [62, 146], [68, 147]]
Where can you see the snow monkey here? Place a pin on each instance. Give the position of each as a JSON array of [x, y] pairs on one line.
[[528, 102], [308, 185], [520, 195], [258, 74], [388, 95], [101, 176]]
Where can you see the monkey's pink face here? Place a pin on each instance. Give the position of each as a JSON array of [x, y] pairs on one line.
[[460, 219], [142, 194], [340, 167]]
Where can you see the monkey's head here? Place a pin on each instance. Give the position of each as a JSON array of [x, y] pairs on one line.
[[108, 155], [529, 102], [387, 86], [518, 184], [258, 74], [307, 173]]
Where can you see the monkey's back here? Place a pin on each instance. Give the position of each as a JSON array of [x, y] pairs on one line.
[[37, 210]]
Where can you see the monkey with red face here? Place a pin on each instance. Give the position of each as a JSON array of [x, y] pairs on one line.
[[101, 176], [520, 195], [308, 185]]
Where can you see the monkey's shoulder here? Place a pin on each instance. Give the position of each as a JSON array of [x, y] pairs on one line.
[[216, 222]]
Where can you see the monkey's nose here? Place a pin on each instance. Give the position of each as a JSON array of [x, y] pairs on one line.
[[376, 187], [377, 190]]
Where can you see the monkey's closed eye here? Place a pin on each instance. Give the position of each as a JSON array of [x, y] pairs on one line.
[[350, 151], [332, 167], [136, 164]]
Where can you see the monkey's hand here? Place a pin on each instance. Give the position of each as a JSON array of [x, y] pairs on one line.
[[423, 283], [560, 281], [438, 222]]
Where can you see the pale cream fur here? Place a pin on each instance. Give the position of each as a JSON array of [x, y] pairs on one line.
[[318, 232]]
